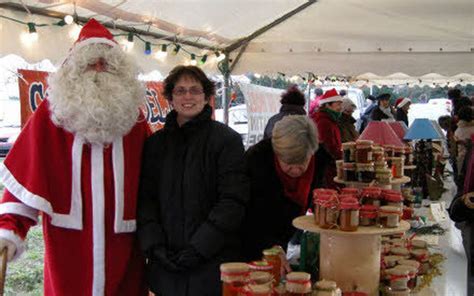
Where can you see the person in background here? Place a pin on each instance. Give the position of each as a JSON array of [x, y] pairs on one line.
[[384, 110], [365, 118], [329, 133], [463, 133], [402, 105], [193, 192], [283, 171], [292, 103], [313, 107], [454, 95], [347, 122]]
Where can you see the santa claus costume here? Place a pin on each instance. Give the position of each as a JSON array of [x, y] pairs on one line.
[[73, 166]]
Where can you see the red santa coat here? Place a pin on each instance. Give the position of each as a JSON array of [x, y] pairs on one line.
[[87, 195], [329, 136]]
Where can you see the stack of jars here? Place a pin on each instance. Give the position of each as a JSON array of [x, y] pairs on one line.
[[334, 210], [365, 170], [326, 288]]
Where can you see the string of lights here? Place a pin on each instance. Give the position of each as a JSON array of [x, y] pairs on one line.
[[163, 48]]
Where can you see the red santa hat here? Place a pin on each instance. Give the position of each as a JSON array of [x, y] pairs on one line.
[[330, 96], [400, 102], [94, 32]]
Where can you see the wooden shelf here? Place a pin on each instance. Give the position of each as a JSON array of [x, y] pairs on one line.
[[395, 181]]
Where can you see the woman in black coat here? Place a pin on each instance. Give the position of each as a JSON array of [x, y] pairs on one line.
[[193, 192], [383, 111], [283, 171]]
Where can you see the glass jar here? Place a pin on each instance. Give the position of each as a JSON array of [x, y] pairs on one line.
[[378, 154], [422, 256], [388, 149], [258, 290], [383, 176], [371, 196], [365, 172], [348, 149], [316, 194], [349, 172], [418, 244], [349, 214], [400, 251], [408, 155], [389, 217], [412, 275], [407, 213], [368, 215], [325, 288], [351, 191], [298, 284], [393, 199], [261, 265], [398, 279], [416, 267], [399, 151], [390, 292], [261, 278], [326, 206], [380, 165], [364, 151], [398, 167], [340, 169], [272, 256], [391, 261], [234, 276]]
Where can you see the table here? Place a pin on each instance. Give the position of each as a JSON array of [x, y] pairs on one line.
[[394, 184]]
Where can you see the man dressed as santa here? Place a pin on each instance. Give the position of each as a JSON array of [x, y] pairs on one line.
[[77, 161]]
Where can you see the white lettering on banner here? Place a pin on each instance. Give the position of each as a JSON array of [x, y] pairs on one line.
[[262, 103]]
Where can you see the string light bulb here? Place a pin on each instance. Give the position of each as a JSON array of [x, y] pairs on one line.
[[68, 19], [219, 56], [193, 60], [203, 60], [161, 54], [147, 48], [130, 37], [33, 35], [176, 49]]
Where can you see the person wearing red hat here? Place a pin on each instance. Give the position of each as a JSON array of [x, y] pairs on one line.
[[329, 133], [77, 162], [402, 105]]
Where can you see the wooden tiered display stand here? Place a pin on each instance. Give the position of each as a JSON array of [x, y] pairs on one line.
[[394, 184], [352, 259]]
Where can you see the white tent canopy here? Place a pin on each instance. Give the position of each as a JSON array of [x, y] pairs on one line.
[[327, 37]]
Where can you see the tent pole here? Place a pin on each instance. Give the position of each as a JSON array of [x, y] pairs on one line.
[[224, 68]]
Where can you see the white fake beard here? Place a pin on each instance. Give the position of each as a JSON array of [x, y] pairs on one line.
[[99, 106]]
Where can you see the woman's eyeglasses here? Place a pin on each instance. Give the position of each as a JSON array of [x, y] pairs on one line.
[[194, 91]]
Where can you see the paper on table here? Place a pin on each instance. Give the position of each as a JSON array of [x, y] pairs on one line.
[[438, 212], [431, 239]]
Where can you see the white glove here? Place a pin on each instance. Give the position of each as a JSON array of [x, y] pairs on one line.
[[11, 248]]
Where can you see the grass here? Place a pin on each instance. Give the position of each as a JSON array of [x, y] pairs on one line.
[[25, 275]]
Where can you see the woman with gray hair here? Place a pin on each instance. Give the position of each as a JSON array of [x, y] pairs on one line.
[[347, 121], [283, 171]]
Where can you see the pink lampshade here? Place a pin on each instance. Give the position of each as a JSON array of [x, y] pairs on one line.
[[399, 127], [381, 133]]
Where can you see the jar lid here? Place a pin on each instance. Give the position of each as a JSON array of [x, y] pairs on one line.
[[383, 171], [398, 159], [410, 269], [347, 195], [399, 149], [399, 251], [408, 262], [420, 253], [392, 258], [396, 271], [325, 284], [258, 289], [324, 190], [388, 147], [365, 165], [390, 210], [372, 189], [393, 197], [326, 198], [260, 265], [349, 203], [350, 190], [418, 243], [298, 276], [271, 252], [261, 276], [348, 144], [377, 149], [364, 142], [234, 267], [385, 191]]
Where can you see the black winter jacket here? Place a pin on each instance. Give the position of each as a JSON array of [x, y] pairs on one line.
[[270, 213], [401, 116], [378, 114], [192, 198], [285, 110]]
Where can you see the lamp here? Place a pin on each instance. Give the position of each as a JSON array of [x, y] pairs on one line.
[[422, 129], [381, 133]]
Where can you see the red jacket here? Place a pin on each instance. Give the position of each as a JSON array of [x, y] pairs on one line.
[[329, 133]]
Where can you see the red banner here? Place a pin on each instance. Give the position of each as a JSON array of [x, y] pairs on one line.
[[33, 86]]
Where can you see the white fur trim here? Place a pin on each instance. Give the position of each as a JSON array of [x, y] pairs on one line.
[[120, 225], [19, 243], [330, 100], [39, 203], [403, 102], [18, 208], [94, 40], [98, 220]]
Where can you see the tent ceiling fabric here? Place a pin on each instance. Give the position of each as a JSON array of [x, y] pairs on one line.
[[329, 37]]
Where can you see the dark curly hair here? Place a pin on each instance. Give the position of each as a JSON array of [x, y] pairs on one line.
[[194, 72], [293, 96], [465, 113], [454, 93]]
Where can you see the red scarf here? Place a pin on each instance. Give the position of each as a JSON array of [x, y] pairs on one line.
[[297, 189]]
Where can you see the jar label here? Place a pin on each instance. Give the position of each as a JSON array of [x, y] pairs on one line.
[[354, 218], [369, 156]]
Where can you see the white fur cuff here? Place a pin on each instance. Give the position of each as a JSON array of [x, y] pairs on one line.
[[19, 243]]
